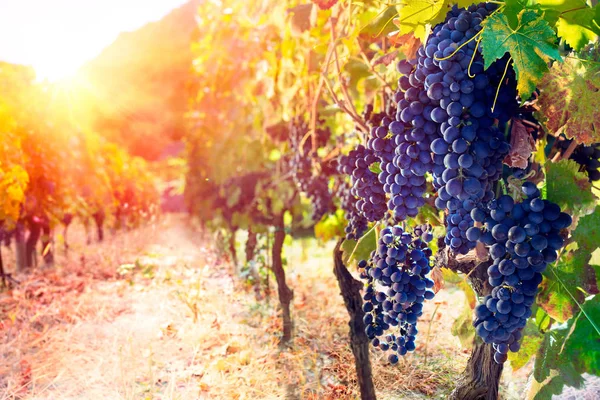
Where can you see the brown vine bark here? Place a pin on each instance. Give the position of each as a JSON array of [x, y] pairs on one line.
[[232, 252], [251, 244], [359, 342], [99, 220], [47, 251], [20, 247], [35, 231], [285, 293], [2, 273], [481, 377]]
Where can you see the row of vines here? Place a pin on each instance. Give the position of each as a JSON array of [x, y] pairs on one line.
[[52, 173], [433, 139]]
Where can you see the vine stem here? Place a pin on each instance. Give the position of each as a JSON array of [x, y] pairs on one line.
[[567, 153]]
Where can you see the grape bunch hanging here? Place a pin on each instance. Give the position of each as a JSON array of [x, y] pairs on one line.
[[448, 129]]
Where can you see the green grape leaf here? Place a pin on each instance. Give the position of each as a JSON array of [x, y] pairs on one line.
[[382, 24], [417, 16], [569, 101], [567, 283], [530, 44], [587, 233], [579, 27], [361, 249], [331, 226], [568, 351], [532, 339], [462, 327], [575, 22], [568, 187]]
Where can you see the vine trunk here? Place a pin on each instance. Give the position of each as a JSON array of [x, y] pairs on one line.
[[285, 293], [359, 342]]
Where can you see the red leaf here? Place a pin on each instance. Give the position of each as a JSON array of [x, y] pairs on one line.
[[438, 279], [521, 146], [386, 59], [408, 43]]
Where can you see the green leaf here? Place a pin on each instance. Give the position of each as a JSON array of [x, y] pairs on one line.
[[568, 187], [574, 20], [360, 250], [587, 233], [382, 24], [532, 339], [463, 326], [566, 285], [569, 101], [579, 27], [531, 46], [417, 16], [568, 351]]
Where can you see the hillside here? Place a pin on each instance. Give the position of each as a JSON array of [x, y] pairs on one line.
[[136, 87]]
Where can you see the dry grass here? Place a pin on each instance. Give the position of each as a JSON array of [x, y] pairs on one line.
[[87, 332]]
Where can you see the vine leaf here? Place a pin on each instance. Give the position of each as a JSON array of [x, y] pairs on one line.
[[386, 59], [303, 18], [382, 24], [532, 339], [575, 22], [408, 43], [361, 249], [579, 27], [568, 187], [566, 285], [570, 100], [417, 16], [530, 44], [566, 352], [521, 146], [587, 233]]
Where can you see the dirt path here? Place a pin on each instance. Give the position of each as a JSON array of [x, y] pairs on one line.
[[173, 326]]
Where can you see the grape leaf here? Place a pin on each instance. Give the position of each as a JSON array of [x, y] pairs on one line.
[[303, 17], [574, 20], [568, 187], [463, 326], [587, 233], [567, 283], [579, 27], [570, 100], [532, 338], [568, 351], [530, 44], [361, 249], [382, 24], [417, 16]]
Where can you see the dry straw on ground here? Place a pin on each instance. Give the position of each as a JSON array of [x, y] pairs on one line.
[[120, 325]]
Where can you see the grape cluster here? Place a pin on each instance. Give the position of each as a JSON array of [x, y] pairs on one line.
[[316, 187], [588, 157], [458, 96], [366, 188], [522, 238], [357, 223], [397, 286]]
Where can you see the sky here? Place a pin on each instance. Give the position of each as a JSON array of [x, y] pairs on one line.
[[57, 37]]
